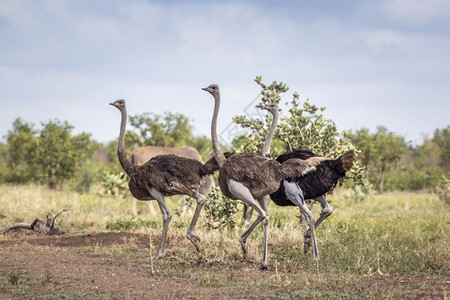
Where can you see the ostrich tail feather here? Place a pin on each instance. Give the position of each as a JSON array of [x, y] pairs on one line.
[[211, 164]]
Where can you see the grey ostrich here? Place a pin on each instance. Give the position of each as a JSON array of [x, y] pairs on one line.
[[251, 178], [313, 184], [163, 175]]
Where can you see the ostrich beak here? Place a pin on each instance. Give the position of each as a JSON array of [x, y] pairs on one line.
[[111, 103], [267, 107], [205, 89]]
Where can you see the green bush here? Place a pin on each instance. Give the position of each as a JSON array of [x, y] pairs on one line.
[[442, 189], [220, 212], [115, 184]]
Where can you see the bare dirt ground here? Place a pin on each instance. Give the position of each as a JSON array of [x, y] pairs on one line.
[[117, 266]]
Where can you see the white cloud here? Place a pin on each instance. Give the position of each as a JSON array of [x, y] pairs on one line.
[[418, 12]]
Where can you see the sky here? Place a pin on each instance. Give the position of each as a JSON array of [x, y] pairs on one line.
[[370, 63]]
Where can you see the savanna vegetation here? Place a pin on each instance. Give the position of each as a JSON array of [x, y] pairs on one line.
[[389, 235]]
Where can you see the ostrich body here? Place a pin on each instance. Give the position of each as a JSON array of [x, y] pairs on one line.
[[142, 154], [250, 178], [163, 175]]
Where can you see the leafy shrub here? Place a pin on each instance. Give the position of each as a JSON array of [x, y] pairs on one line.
[[83, 180], [359, 193], [442, 189], [220, 211], [115, 184]]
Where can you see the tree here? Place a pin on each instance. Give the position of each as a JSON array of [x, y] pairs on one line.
[[50, 155], [169, 130], [58, 154], [442, 139], [20, 151], [203, 146], [379, 150], [304, 127]]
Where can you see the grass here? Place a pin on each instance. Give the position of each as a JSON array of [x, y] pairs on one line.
[[394, 233], [397, 234]]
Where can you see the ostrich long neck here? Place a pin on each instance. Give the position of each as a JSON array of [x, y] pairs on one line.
[[215, 141], [269, 137], [124, 162]]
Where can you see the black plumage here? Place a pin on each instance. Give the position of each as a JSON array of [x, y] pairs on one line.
[[317, 182]]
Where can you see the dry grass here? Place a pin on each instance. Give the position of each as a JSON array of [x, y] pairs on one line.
[[398, 235]]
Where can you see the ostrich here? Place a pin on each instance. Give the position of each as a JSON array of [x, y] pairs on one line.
[[313, 185], [163, 175], [141, 155], [251, 178], [273, 109]]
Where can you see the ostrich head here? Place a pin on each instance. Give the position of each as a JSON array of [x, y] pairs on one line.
[[213, 89], [120, 104], [272, 108]]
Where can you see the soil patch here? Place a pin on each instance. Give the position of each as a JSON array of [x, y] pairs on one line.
[[117, 265], [103, 239]]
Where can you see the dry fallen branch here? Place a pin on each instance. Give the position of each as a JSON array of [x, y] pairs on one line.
[[39, 226]]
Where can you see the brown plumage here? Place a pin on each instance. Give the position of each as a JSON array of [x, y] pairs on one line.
[[256, 172], [169, 174], [163, 175], [142, 154]]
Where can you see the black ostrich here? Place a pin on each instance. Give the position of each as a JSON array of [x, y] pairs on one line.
[[313, 184]]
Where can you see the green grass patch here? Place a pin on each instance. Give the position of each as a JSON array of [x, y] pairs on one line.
[[130, 223]]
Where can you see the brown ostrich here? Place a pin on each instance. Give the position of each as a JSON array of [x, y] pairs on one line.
[[251, 178], [142, 154], [163, 175]]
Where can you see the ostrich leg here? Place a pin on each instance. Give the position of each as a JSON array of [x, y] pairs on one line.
[[159, 197], [246, 216], [200, 202], [265, 223], [190, 235], [295, 194], [243, 193], [327, 210]]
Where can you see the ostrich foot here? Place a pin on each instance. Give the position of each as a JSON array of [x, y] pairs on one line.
[[195, 240], [263, 266], [159, 255]]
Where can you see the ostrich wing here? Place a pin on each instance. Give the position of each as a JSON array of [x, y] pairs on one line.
[[297, 167], [172, 168], [301, 154]]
